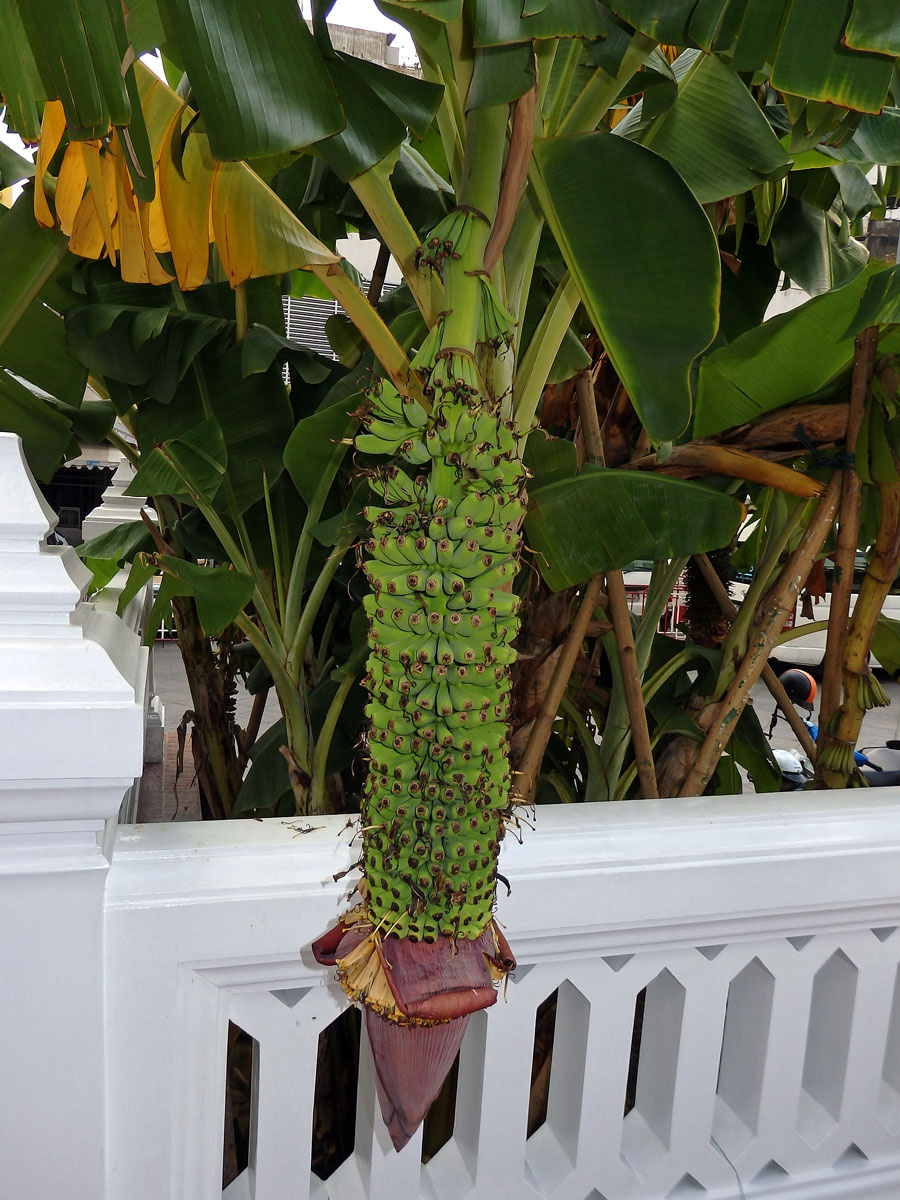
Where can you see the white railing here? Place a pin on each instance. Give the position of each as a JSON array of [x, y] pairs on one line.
[[725, 971], [763, 947]]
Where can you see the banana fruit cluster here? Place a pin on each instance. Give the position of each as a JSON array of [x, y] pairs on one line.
[[441, 557]]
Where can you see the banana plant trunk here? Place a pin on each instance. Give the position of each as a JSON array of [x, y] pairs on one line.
[[420, 950]]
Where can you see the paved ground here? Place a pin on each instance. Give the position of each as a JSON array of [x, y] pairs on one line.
[[878, 725], [159, 802], [167, 795]]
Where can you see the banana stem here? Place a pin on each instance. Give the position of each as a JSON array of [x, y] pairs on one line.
[[574, 48], [240, 311], [705, 459], [770, 679], [844, 556], [317, 792], [542, 350], [768, 620], [837, 770], [631, 681], [735, 645], [601, 90], [373, 188], [530, 765], [384, 345]]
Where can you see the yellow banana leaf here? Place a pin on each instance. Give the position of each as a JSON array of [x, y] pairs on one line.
[[206, 201]]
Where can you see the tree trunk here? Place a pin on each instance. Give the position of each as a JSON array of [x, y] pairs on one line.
[[213, 743]]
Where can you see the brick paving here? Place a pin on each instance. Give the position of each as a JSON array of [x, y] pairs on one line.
[[158, 800]]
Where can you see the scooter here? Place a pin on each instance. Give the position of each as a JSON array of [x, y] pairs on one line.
[[878, 765]]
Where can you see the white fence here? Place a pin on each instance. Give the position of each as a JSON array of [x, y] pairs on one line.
[[725, 972], [764, 949]]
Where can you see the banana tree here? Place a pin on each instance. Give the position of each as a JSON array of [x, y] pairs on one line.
[[551, 211]]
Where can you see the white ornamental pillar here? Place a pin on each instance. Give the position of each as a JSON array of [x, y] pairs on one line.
[[115, 508], [70, 746]]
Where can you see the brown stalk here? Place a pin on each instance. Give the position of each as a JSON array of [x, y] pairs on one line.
[[777, 432], [844, 556], [769, 678], [618, 605], [515, 176], [542, 726], [696, 458], [379, 274], [880, 574], [530, 765], [768, 624], [631, 680]]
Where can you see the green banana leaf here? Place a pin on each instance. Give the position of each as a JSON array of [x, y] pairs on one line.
[[119, 544], [46, 434], [813, 248], [250, 420], [813, 60], [499, 22], [192, 462], [13, 166], [20, 81], [377, 105], [317, 445], [501, 74], [604, 519], [645, 260], [33, 341], [220, 592], [873, 25], [715, 134], [790, 357], [259, 79]]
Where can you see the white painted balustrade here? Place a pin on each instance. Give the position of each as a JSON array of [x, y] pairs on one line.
[[725, 972]]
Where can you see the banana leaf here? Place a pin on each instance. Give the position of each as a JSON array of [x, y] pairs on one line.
[[715, 134], [790, 357], [645, 260], [603, 519]]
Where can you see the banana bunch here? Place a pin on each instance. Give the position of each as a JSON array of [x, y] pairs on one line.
[[448, 239], [441, 556], [497, 325], [870, 694], [878, 440]]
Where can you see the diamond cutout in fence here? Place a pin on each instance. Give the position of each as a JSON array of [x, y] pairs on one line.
[[551, 1151], [800, 942], [337, 1078], [884, 932], [648, 1126], [240, 1101], [635, 1052], [687, 1185], [711, 952], [827, 1047], [889, 1097], [541, 1062], [851, 1159], [748, 1013], [617, 961], [290, 997], [440, 1120], [772, 1172]]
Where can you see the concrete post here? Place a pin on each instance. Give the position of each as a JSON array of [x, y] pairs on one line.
[[70, 746]]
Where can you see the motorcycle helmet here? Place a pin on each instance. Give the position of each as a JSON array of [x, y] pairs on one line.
[[800, 687]]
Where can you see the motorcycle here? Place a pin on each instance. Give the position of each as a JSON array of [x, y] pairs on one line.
[[878, 765]]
